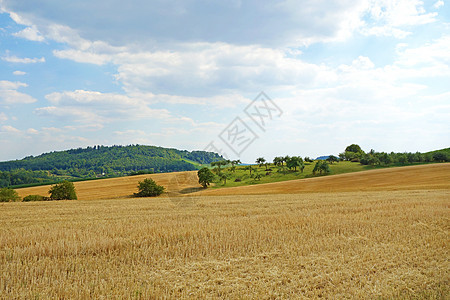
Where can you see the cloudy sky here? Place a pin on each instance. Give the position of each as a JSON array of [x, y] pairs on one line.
[[185, 73]]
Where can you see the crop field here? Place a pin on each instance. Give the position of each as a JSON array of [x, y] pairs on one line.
[[382, 234]]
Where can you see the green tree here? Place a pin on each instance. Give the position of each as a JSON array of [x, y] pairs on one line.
[[331, 159], [294, 162], [235, 162], [278, 161], [219, 164], [63, 191], [8, 195], [308, 159], [260, 161], [224, 177], [149, 188], [250, 168], [353, 148], [205, 177], [321, 167], [440, 157]]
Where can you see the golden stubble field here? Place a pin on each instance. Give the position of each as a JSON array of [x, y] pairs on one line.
[[343, 244]]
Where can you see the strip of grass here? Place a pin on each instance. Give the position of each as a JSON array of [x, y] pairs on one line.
[[277, 174]]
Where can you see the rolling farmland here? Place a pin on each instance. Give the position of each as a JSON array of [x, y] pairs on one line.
[[382, 233]]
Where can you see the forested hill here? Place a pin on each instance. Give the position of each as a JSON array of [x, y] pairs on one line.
[[98, 161]]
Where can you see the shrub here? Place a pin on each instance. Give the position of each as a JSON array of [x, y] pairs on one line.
[[35, 198], [149, 188], [8, 195], [63, 191]]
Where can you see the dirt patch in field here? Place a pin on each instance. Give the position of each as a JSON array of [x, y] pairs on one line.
[[433, 176]]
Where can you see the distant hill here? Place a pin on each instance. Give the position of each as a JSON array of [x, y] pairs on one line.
[[101, 161], [322, 157]]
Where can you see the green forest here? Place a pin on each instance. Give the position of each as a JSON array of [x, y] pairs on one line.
[[99, 162]]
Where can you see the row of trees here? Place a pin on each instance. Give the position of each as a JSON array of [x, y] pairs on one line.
[[356, 154]]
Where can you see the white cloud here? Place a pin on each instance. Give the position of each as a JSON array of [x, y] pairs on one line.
[[82, 57], [30, 33], [25, 60], [9, 94], [249, 22], [434, 53], [10, 129], [32, 131], [98, 108], [388, 18], [438, 4], [19, 73]]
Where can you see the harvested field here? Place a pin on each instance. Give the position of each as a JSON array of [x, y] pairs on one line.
[[335, 245], [434, 176], [375, 243], [176, 183]]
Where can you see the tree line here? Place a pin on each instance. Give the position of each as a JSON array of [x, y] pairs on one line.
[[354, 153], [284, 164]]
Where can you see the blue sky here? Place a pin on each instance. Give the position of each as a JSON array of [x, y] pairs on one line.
[[179, 73]]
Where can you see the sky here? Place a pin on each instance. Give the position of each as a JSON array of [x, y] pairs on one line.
[[246, 79]]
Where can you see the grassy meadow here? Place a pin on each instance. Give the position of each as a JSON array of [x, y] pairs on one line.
[[276, 173]]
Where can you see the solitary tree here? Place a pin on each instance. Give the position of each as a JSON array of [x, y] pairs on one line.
[[205, 177], [149, 188], [260, 161], [63, 191]]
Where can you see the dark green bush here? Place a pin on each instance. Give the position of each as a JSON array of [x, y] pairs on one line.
[[63, 191], [30, 198], [149, 188], [8, 195]]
